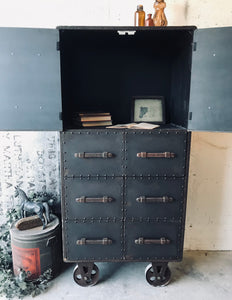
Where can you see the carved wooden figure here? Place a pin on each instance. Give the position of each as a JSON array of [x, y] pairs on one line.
[[159, 17]]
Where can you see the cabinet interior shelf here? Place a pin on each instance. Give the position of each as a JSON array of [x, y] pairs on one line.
[[102, 71]]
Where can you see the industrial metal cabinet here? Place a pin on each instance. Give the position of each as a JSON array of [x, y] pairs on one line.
[[122, 207], [119, 204]]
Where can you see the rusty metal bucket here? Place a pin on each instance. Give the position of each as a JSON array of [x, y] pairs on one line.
[[36, 250]]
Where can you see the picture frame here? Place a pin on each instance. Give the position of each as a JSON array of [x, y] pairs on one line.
[[149, 109]]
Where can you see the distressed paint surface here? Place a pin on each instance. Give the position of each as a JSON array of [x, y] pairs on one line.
[[31, 161], [209, 210]]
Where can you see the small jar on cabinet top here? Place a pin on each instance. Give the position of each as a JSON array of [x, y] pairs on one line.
[[139, 16], [149, 20]]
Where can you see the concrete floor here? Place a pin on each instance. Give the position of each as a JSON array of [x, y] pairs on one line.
[[201, 275]]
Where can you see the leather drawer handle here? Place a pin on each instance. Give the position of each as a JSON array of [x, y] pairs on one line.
[[164, 199], [104, 199], [85, 241], [143, 241], [93, 155], [156, 155]]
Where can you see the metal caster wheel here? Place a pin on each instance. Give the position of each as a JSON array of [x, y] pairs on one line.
[[86, 274], [158, 274]]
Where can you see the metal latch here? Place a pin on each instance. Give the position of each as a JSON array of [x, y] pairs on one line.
[[126, 32]]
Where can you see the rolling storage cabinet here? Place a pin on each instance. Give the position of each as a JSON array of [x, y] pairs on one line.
[[123, 191], [118, 206]]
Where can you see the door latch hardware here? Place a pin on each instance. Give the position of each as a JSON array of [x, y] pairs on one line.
[[126, 32], [93, 155], [143, 241], [84, 241], [150, 155], [104, 199], [164, 199]]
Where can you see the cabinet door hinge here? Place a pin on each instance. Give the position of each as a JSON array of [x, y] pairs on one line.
[[190, 116], [194, 46], [60, 116], [58, 46]]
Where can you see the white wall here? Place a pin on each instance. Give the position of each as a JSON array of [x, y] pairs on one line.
[[50, 13], [209, 212]]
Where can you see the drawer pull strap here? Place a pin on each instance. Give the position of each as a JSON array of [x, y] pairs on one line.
[[158, 155], [84, 241], [104, 199], [93, 155], [143, 241], [164, 199]]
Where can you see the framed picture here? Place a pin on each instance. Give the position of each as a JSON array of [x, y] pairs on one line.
[[150, 109]]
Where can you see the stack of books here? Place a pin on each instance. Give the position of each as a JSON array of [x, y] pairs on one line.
[[93, 119]]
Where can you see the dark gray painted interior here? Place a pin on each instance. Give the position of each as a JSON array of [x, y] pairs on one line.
[[102, 70]]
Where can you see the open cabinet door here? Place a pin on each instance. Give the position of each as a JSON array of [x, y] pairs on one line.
[[30, 87], [210, 107]]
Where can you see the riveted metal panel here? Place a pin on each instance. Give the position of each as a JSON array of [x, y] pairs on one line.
[[95, 142], [169, 192], [92, 229], [156, 141], [30, 88], [136, 229], [211, 89], [94, 187]]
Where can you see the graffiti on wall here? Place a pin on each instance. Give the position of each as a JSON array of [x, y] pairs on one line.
[[30, 160]]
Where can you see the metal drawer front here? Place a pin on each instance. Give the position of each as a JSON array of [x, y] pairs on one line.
[[156, 152], [154, 197], [92, 240], [92, 152], [153, 240], [94, 197]]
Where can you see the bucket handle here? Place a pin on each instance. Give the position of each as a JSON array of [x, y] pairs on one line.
[[51, 241]]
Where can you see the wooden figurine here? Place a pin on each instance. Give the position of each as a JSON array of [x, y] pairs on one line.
[[159, 17]]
